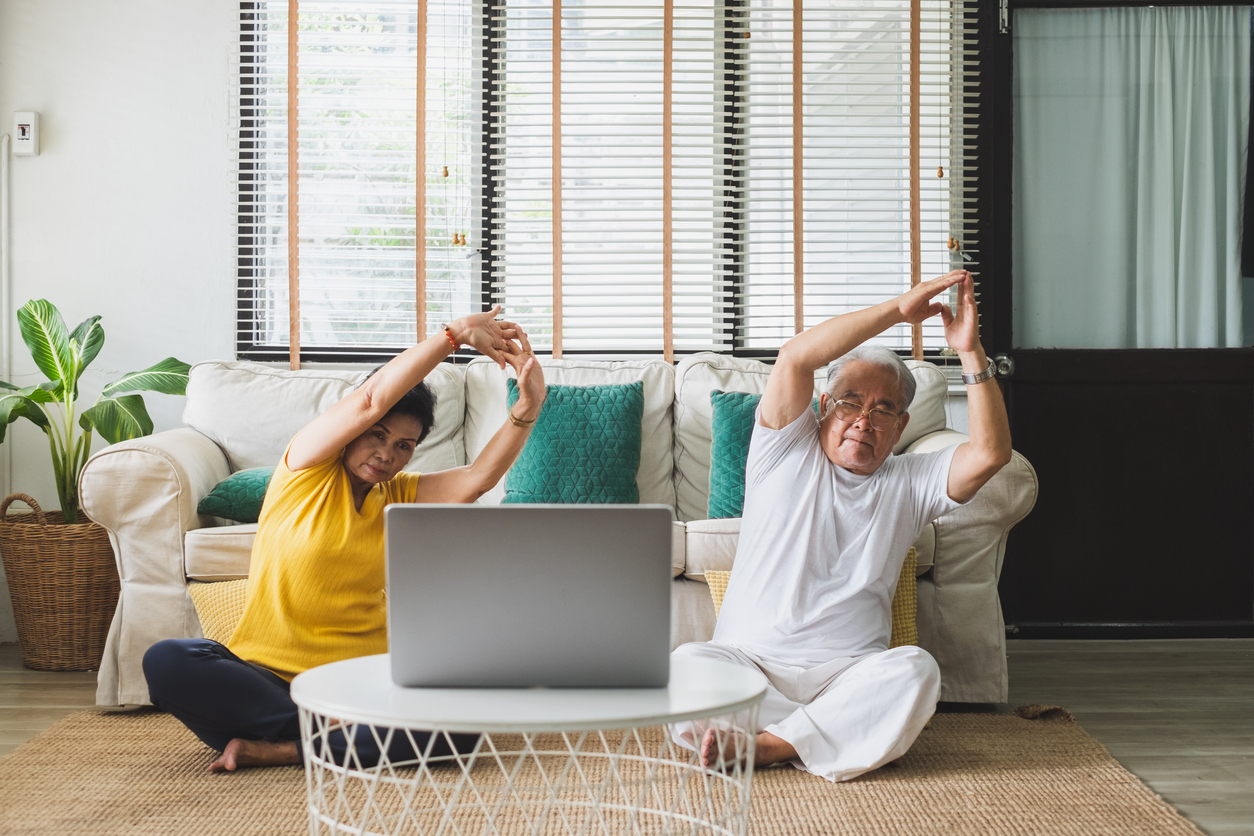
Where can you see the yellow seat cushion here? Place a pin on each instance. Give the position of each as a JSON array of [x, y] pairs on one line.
[[905, 600], [219, 606]]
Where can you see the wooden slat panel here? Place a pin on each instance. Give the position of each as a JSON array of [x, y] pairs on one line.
[[557, 179], [916, 234], [668, 233], [293, 191], [798, 159], [420, 205]]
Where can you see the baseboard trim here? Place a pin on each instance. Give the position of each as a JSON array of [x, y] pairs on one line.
[[1132, 630]]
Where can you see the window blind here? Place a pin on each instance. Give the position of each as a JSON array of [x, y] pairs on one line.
[[750, 119], [726, 172], [593, 108], [855, 159], [357, 183]]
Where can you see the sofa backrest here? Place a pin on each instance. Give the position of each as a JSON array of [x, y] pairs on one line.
[[485, 412], [252, 411], [696, 376]]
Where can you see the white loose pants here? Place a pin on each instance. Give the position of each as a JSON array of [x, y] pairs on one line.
[[845, 717]]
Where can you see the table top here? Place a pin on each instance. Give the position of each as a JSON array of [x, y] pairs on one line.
[[361, 690]]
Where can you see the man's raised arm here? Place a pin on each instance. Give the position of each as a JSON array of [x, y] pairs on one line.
[[790, 388], [988, 451]]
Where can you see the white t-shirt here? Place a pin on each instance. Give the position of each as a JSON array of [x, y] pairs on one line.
[[821, 548]]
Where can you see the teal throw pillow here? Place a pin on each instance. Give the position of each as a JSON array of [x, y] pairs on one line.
[[584, 448], [731, 429], [238, 497]]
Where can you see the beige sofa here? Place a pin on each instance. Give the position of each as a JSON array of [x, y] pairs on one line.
[[241, 415]]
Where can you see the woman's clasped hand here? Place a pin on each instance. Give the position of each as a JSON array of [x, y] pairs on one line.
[[495, 338], [505, 342]]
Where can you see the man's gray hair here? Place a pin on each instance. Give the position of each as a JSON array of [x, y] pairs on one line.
[[876, 355]]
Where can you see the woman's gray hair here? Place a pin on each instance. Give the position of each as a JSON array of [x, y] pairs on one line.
[[876, 355]]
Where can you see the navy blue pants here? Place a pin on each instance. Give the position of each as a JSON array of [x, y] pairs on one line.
[[220, 697]]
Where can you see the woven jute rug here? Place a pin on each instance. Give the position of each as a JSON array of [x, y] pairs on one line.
[[144, 773]]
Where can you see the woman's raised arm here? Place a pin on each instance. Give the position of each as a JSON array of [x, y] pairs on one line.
[[362, 408]]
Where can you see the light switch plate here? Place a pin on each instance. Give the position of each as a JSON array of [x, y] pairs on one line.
[[26, 134]]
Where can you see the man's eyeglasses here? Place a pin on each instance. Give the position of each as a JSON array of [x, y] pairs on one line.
[[881, 420]]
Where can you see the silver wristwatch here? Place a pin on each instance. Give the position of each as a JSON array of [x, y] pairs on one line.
[[988, 374]]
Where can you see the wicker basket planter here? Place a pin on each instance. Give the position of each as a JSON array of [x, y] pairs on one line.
[[64, 585]]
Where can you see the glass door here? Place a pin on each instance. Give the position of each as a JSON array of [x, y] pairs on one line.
[[1124, 318]]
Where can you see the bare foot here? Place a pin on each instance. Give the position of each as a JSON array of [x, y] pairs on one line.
[[768, 750], [240, 753]]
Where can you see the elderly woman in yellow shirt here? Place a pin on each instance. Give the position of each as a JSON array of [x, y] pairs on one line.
[[316, 579]]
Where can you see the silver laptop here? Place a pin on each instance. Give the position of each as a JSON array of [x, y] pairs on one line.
[[520, 596]]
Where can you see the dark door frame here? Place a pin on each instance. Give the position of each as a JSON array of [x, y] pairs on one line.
[[995, 206]]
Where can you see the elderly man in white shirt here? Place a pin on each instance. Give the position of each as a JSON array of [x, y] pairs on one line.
[[829, 515]]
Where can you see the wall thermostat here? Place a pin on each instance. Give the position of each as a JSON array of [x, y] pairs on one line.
[[25, 134]]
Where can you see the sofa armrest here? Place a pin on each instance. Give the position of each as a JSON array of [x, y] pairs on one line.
[[144, 493], [961, 600]]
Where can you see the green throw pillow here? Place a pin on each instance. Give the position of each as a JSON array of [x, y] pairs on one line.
[[584, 448], [731, 428], [238, 497]]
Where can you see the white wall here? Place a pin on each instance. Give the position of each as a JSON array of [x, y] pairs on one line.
[[128, 210]]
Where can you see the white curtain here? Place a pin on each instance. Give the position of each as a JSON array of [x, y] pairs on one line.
[[1131, 127]]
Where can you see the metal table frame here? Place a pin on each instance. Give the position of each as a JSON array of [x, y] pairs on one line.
[[560, 761]]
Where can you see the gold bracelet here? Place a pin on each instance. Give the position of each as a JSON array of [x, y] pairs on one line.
[[518, 422]]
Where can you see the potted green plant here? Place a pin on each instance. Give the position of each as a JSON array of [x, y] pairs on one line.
[[60, 571]]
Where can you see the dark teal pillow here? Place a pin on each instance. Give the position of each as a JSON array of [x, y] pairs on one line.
[[238, 497], [731, 428], [584, 448]]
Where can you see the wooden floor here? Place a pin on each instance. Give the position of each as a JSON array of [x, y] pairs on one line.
[[1180, 714], [31, 701]]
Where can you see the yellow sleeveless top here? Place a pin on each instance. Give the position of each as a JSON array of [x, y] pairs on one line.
[[316, 578]]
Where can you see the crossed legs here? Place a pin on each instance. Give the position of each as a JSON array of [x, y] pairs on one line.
[[245, 711], [837, 720]]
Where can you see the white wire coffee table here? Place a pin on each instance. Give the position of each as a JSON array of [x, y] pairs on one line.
[[560, 761]]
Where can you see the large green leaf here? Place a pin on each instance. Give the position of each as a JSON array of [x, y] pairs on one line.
[[4, 385], [44, 332], [168, 377], [90, 337], [85, 343], [46, 392], [14, 405], [119, 419]]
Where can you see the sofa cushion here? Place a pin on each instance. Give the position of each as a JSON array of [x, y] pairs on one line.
[[218, 554], [730, 429], [224, 553], [239, 496], [252, 410], [905, 607], [710, 546], [584, 448], [219, 606], [700, 374], [485, 413], [679, 548]]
